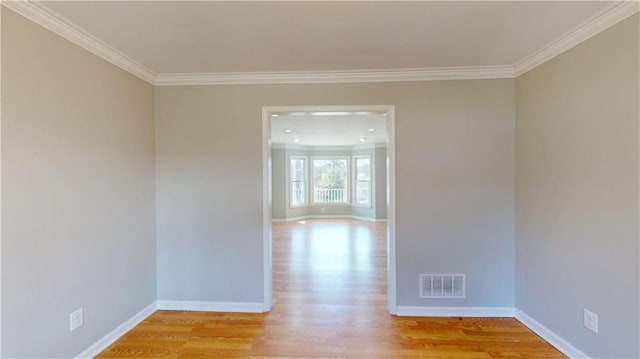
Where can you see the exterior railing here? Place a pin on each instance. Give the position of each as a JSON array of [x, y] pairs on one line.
[[329, 195], [297, 196]]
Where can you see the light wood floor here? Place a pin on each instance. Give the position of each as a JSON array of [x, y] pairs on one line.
[[330, 302]]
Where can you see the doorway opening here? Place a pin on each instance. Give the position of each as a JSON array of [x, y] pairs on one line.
[[319, 183]]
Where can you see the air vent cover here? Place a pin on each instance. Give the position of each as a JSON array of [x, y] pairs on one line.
[[442, 286]]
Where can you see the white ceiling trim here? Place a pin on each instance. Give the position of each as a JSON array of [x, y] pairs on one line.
[[423, 74], [42, 15], [47, 18], [596, 24]]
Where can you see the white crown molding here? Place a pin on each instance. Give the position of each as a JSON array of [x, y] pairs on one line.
[[50, 20], [552, 338], [606, 18], [423, 74]]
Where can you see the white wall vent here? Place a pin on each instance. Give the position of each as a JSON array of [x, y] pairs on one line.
[[442, 286]]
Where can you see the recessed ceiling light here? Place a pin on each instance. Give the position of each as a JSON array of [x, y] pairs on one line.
[[287, 131], [372, 129], [296, 140], [363, 139], [274, 115]]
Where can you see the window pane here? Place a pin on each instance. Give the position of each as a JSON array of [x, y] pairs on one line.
[[363, 169], [362, 181], [330, 180], [363, 191], [297, 193], [297, 190], [297, 169]]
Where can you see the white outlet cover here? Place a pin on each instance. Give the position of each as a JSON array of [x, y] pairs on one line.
[[76, 319], [591, 321]]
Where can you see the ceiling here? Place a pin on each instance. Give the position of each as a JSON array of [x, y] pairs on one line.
[[329, 129], [239, 36]]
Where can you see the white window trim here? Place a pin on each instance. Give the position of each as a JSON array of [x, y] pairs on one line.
[[306, 181], [312, 182], [355, 181]]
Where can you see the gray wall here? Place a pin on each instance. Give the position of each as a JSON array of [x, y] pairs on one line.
[[455, 184], [577, 192], [77, 193], [280, 190]]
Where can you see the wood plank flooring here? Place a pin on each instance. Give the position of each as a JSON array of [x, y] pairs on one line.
[[329, 302]]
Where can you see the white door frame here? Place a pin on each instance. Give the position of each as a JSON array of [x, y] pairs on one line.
[[391, 193], [1, 6]]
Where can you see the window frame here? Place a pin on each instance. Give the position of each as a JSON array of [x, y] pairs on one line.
[[305, 181], [355, 181], [347, 181]]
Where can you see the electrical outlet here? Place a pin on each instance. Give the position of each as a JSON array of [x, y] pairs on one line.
[[76, 319], [591, 321]]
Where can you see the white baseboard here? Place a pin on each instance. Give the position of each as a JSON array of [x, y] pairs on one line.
[[375, 220], [239, 307], [552, 338], [121, 330], [328, 216], [405, 311]]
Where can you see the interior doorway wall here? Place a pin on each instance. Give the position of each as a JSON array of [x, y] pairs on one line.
[[389, 110]]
